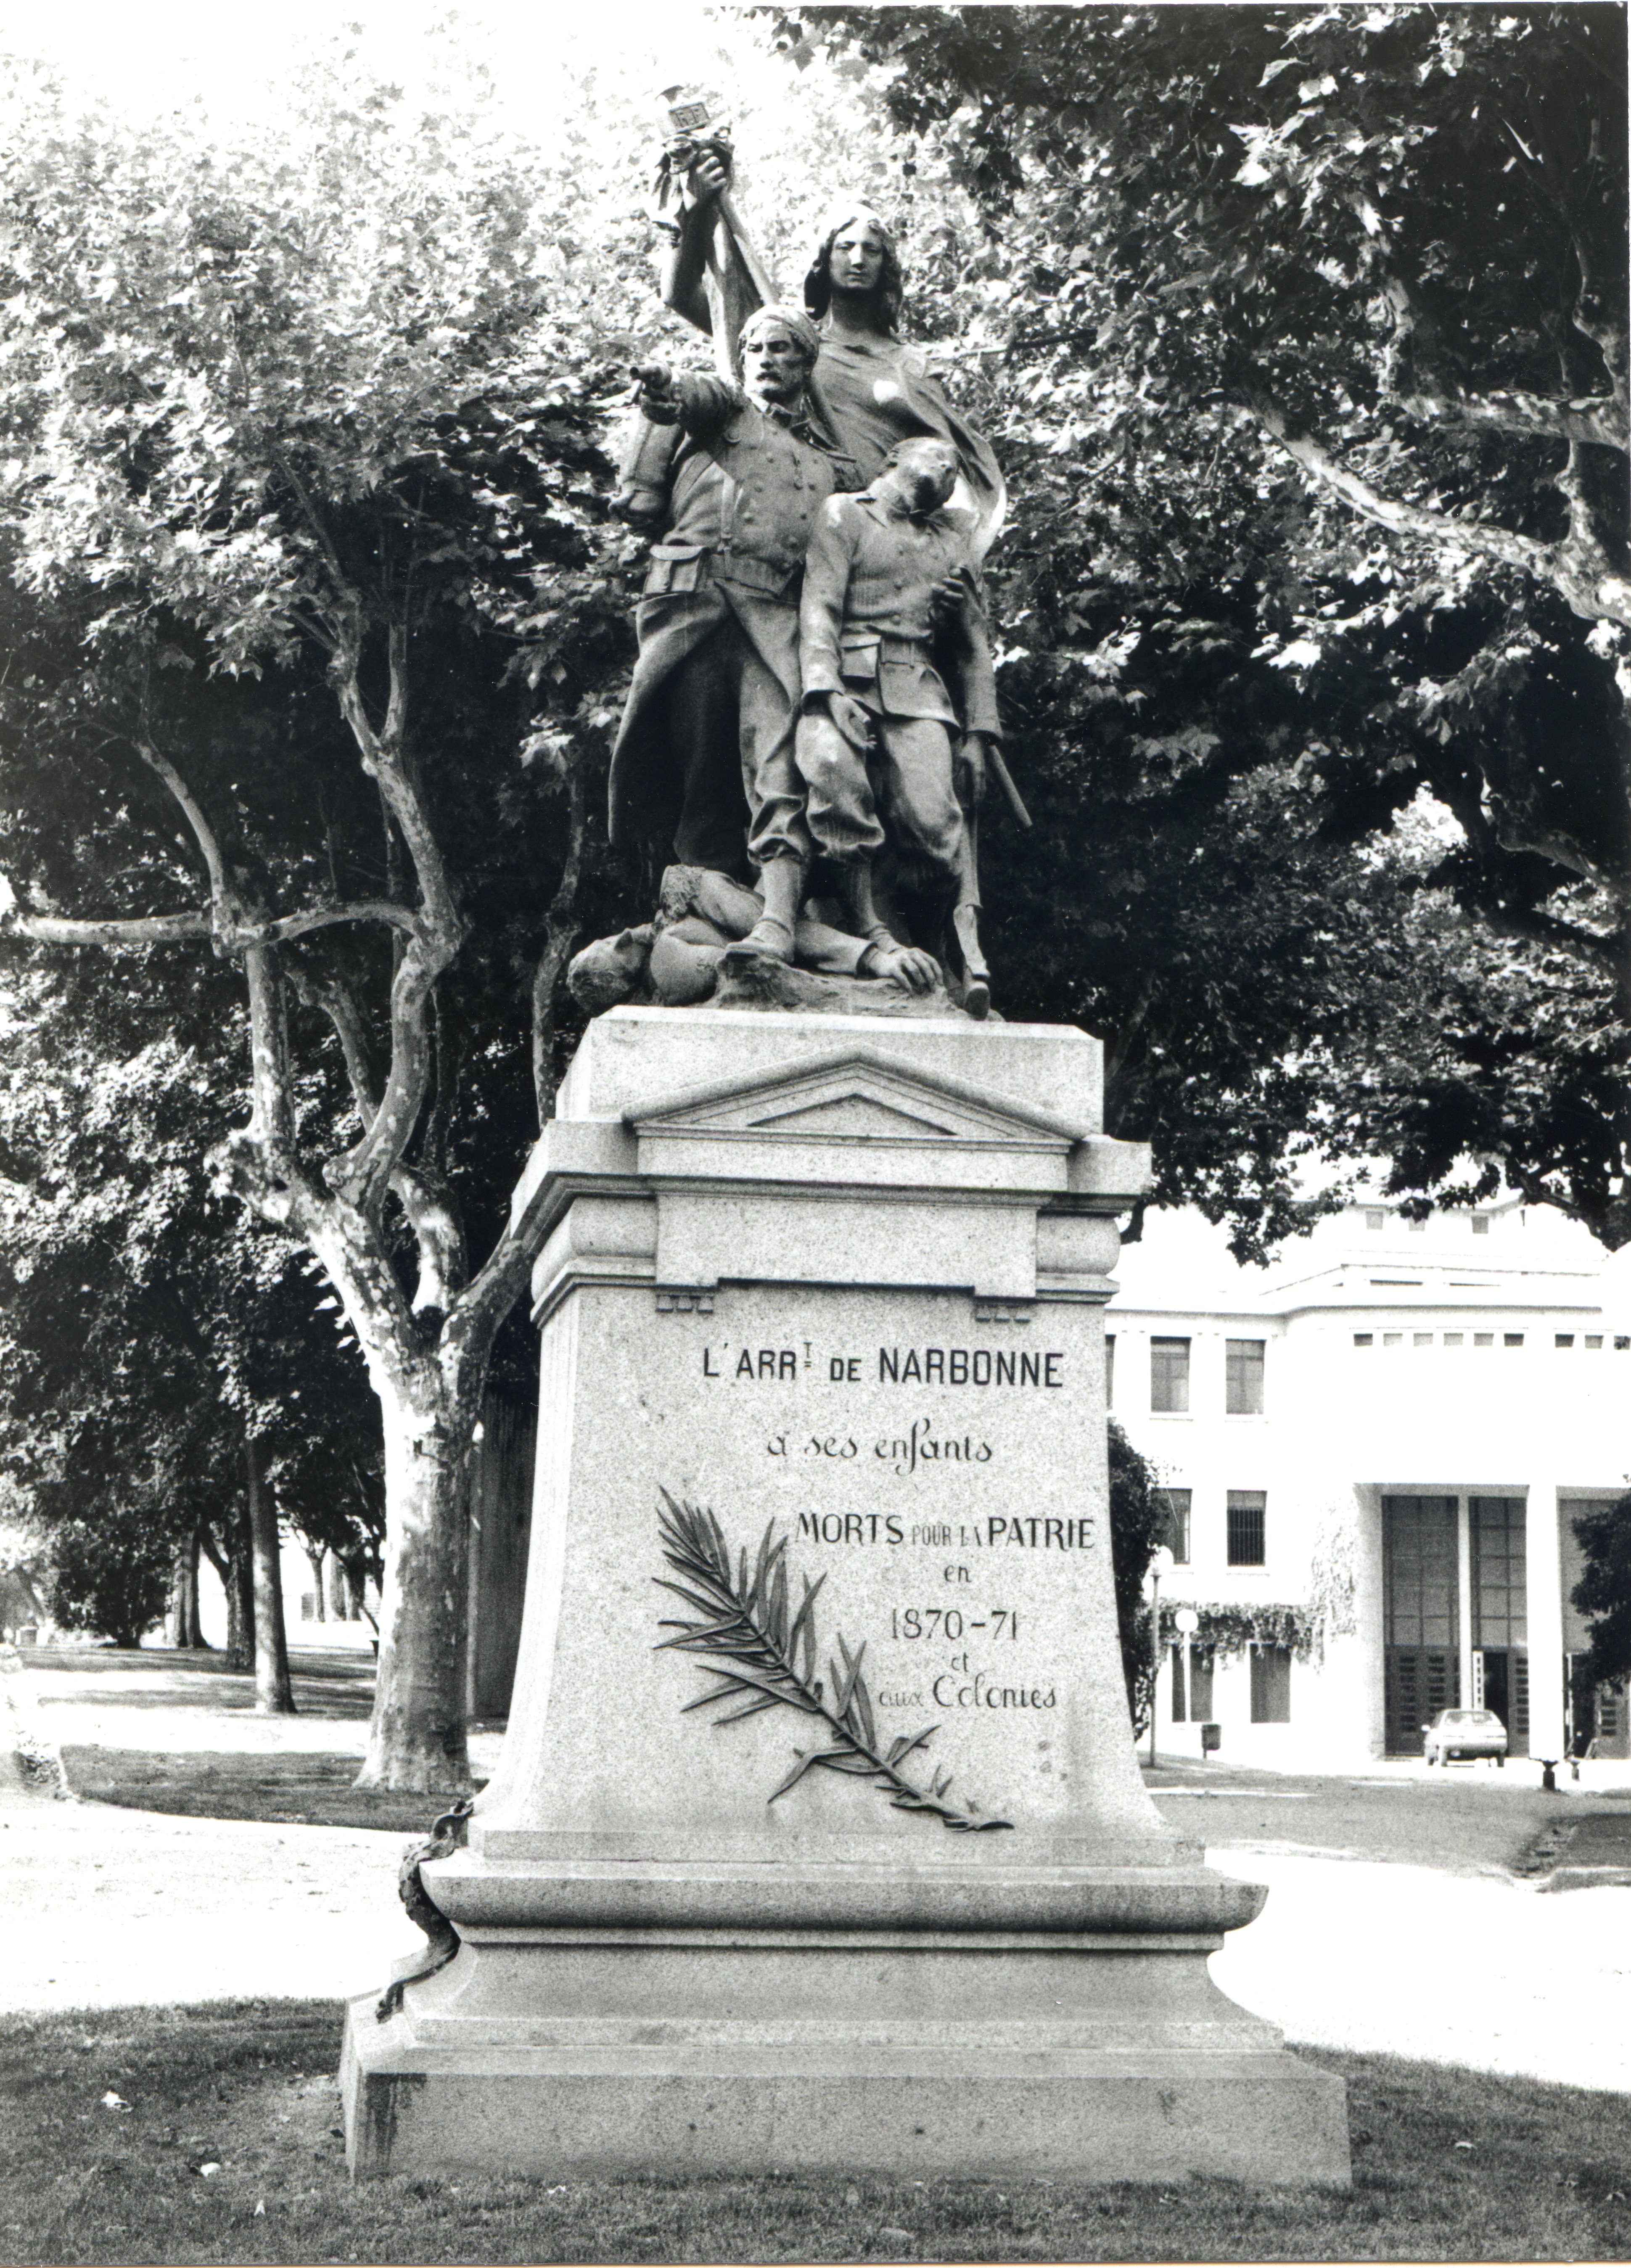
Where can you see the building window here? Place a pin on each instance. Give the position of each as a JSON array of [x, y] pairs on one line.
[[1417, 1228], [1109, 1369], [1243, 1377], [1247, 1512], [1563, 1338], [1363, 1338], [1175, 1505], [1512, 1339], [1192, 1684], [1393, 1338], [1480, 1224], [1483, 1338], [1453, 1338], [1594, 1338], [1375, 1217], [1270, 1685], [1421, 1338], [1168, 1375], [1623, 1342], [1500, 1602]]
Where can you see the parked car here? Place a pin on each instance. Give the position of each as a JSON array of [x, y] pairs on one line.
[[1463, 1732]]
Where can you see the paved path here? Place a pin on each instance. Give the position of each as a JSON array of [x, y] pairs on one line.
[[1458, 1966], [1453, 1966]]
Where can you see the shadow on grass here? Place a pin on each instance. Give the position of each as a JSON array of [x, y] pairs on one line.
[[299, 1788], [221, 2144], [163, 1677]]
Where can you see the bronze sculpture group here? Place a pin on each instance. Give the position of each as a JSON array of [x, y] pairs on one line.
[[813, 712]]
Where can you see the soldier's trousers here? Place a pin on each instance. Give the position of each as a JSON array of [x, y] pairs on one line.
[[721, 696], [905, 784]]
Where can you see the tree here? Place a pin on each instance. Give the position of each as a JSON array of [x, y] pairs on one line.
[[310, 559], [1356, 279], [110, 1576], [151, 1335], [303, 457], [1604, 1590], [1138, 1527]]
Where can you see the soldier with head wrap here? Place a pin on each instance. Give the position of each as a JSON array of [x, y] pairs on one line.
[[719, 626]]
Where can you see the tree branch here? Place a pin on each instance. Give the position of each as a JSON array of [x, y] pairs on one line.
[[1515, 833], [560, 935], [292, 925], [364, 1175], [147, 929], [271, 1105], [335, 1000], [1598, 419], [474, 1316], [231, 937], [223, 898], [1603, 953], [439, 1234], [1589, 591]]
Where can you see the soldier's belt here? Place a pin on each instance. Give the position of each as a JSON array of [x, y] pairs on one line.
[[679, 567], [758, 575], [864, 652]]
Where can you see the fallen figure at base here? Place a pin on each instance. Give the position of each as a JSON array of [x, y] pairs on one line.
[[693, 951]]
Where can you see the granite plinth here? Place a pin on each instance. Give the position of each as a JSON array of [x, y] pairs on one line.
[[899, 1901]]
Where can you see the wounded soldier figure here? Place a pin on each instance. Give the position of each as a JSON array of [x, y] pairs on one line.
[[676, 960], [889, 599]]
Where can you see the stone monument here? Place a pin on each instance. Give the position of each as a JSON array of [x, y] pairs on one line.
[[818, 1839]]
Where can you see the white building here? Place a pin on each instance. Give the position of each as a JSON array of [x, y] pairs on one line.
[[1374, 1450]]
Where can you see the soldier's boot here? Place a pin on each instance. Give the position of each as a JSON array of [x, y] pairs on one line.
[[781, 886], [865, 919], [965, 929]]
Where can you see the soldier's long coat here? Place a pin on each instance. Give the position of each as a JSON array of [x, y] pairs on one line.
[[746, 490]]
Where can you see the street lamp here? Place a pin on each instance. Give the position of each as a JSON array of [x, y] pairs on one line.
[[1161, 1562], [1186, 1622]]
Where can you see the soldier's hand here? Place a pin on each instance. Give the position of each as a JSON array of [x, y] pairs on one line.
[[708, 176], [655, 392], [850, 718], [973, 755], [906, 965], [640, 507], [949, 595]]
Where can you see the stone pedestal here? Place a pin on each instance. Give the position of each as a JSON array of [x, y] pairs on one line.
[[824, 1300]]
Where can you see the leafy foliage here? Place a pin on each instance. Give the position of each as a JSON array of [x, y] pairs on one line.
[[772, 1663], [1305, 330], [148, 1328], [110, 1575], [1227, 1628], [1604, 1591], [1137, 1530]]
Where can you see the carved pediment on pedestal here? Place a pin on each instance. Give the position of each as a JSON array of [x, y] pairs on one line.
[[853, 1099]]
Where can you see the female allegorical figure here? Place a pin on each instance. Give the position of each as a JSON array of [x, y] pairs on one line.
[[872, 388]]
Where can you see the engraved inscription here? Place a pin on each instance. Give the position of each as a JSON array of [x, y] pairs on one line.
[[763, 1657]]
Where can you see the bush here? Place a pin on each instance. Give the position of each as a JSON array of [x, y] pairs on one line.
[[108, 1576]]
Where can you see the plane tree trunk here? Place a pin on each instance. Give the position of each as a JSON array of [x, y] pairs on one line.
[[274, 1694], [416, 1738]]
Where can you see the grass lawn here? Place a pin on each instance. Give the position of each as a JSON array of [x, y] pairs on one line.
[[300, 1787], [220, 2144]]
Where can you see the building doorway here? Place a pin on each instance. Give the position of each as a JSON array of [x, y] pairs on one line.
[[1420, 1667], [1500, 1610]]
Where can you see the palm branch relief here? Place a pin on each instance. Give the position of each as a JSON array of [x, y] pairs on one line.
[[765, 1659]]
